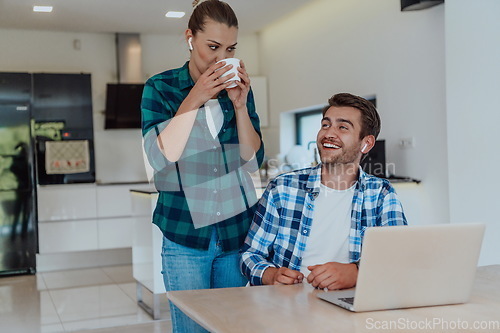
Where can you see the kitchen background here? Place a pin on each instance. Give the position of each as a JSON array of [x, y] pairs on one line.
[[434, 73]]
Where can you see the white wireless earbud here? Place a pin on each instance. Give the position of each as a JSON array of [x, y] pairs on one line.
[[190, 39], [364, 147]]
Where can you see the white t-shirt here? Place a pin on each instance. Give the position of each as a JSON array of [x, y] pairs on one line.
[[331, 225], [215, 117]]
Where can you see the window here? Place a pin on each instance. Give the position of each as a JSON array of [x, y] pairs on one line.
[[307, 125]]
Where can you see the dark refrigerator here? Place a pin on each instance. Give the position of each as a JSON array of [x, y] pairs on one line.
[[37, 110], [18, 228]]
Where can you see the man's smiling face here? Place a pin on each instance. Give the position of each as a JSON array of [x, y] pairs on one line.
[[339, 139]]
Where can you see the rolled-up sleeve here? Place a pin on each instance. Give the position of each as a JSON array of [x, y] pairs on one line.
[[156, 113], [251, 166], [260, 239]]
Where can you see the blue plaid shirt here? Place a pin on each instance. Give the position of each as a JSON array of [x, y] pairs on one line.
[[282, 223]]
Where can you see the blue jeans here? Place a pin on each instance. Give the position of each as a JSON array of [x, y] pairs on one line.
[[185, 268]]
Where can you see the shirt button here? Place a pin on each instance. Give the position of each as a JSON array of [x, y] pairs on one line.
[[218, 213], [304, 232], [215, 169], [214, 148], [224, 130], [225, 111], [215, 191]]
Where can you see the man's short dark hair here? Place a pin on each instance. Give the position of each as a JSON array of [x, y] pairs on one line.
[[370, 119]]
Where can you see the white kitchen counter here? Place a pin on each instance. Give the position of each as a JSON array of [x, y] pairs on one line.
[[146, 250]]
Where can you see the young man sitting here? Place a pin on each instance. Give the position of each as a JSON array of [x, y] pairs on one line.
[[309, 223]]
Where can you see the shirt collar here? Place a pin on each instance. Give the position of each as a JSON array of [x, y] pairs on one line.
[[314, 180], [185, 80]]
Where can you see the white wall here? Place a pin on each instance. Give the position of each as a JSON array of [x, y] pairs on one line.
[[369, 47], [473, 87], [53, 52], [118, 152]]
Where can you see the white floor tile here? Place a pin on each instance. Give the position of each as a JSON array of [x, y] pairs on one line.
[[92, 302], [19, 303], [40, 282], [119, 274], [129, 289], [48, 310], [52, 328], [77, 300], [76, 278], [99, 323]]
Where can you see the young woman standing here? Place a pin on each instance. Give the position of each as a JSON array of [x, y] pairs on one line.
[[202, 138]]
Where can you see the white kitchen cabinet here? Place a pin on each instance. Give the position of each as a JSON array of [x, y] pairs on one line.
[[115, 232], [113, 200], [66, 202], [67, 236], [84, 217], [67, 218]]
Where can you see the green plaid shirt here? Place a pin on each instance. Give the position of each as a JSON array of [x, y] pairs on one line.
[[210, 185]]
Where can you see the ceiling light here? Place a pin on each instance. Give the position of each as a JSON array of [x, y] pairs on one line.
[[175, 14], [42, 9]]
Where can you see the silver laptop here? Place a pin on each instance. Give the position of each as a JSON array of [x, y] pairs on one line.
[[412, 266]]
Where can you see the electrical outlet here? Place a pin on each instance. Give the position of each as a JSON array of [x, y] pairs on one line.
[[406, 143]]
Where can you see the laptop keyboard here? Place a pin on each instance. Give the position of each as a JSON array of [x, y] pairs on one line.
[[349, 300]]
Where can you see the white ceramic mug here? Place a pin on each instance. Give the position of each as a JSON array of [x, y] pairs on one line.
[[236, 63]]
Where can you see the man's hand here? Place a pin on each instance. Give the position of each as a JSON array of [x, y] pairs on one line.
[[333, 275], [282, 275]]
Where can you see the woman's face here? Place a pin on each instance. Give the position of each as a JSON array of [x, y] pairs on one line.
[[216, 42]]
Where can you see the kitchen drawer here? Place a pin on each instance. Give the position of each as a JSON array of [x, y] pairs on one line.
[[115, 232], [67, 202], [67, 236]]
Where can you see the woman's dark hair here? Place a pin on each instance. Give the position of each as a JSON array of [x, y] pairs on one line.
[[215, 10], [370, 120]]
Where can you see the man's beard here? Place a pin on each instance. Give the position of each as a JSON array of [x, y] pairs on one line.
[[346, 157]]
